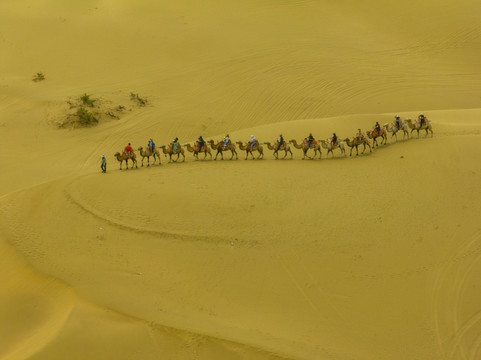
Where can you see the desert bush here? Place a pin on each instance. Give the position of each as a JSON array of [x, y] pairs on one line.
[[87, 101], [140, 101], [85, 117], [38, 77]]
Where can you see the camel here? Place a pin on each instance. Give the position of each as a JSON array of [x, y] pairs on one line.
[[373, 135], [247, 148], [148, 153], [168, 150], [417, 126], [394, 129], [205, 149], [330, 147], [355, 142], [220, 147], [305, 147], [124, 157], [286, 147]]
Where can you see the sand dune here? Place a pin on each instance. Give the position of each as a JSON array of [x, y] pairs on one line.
[[367, 257]]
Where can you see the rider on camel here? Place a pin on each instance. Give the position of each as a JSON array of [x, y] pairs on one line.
[[334, 139], [280, 142], [201, 142], [310, 140], [398, 121], [128, 150], [359, 135], [226, 140], [175, 143], [422, 119], [377, 127], [151, 145], [252, 141]]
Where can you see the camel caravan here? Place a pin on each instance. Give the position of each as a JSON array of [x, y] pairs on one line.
[[311, 147]]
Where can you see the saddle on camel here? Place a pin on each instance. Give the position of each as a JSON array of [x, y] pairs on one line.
[[200, 148]]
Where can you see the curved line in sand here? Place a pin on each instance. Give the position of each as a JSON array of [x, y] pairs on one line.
[[69, 194]]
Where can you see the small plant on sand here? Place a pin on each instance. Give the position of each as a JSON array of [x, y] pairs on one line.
[[87, 101], [140, 101], [85, 117], [38, 77]]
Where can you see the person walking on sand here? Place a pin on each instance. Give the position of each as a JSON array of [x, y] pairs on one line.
[[103, 164]]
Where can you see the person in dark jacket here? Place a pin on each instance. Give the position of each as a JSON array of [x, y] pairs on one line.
[[103, 164]]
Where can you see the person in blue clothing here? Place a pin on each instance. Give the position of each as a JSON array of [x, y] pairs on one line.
[[310, 140], [226, 140], [252, 141], [201, 142], [280, 142], [151, 145]]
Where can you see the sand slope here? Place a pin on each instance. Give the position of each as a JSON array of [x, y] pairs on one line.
[[369, 257]]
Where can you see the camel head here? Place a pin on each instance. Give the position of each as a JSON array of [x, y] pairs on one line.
[[117, 154], [140, 148]]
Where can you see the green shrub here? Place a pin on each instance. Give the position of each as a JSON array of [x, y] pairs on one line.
[[85, 117], [87, 101], [39, 77]]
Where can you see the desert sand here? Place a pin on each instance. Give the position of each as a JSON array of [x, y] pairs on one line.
[[375, 256]]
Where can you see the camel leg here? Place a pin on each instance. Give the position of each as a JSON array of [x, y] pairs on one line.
[[290, 152]]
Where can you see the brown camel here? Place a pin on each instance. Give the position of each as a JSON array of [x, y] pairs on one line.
[[205, 149], [394, 129], [147, 153], [305, 147], [168, 150], [286, 147], [220, 147], [417, 126], [125, 157], [330, 146], [355, 142], [374, 135], [247, 148]]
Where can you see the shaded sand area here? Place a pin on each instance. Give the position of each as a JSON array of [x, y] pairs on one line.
[[368, 257]]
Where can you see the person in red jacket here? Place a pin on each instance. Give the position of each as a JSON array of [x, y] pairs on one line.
[[128, 150]]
